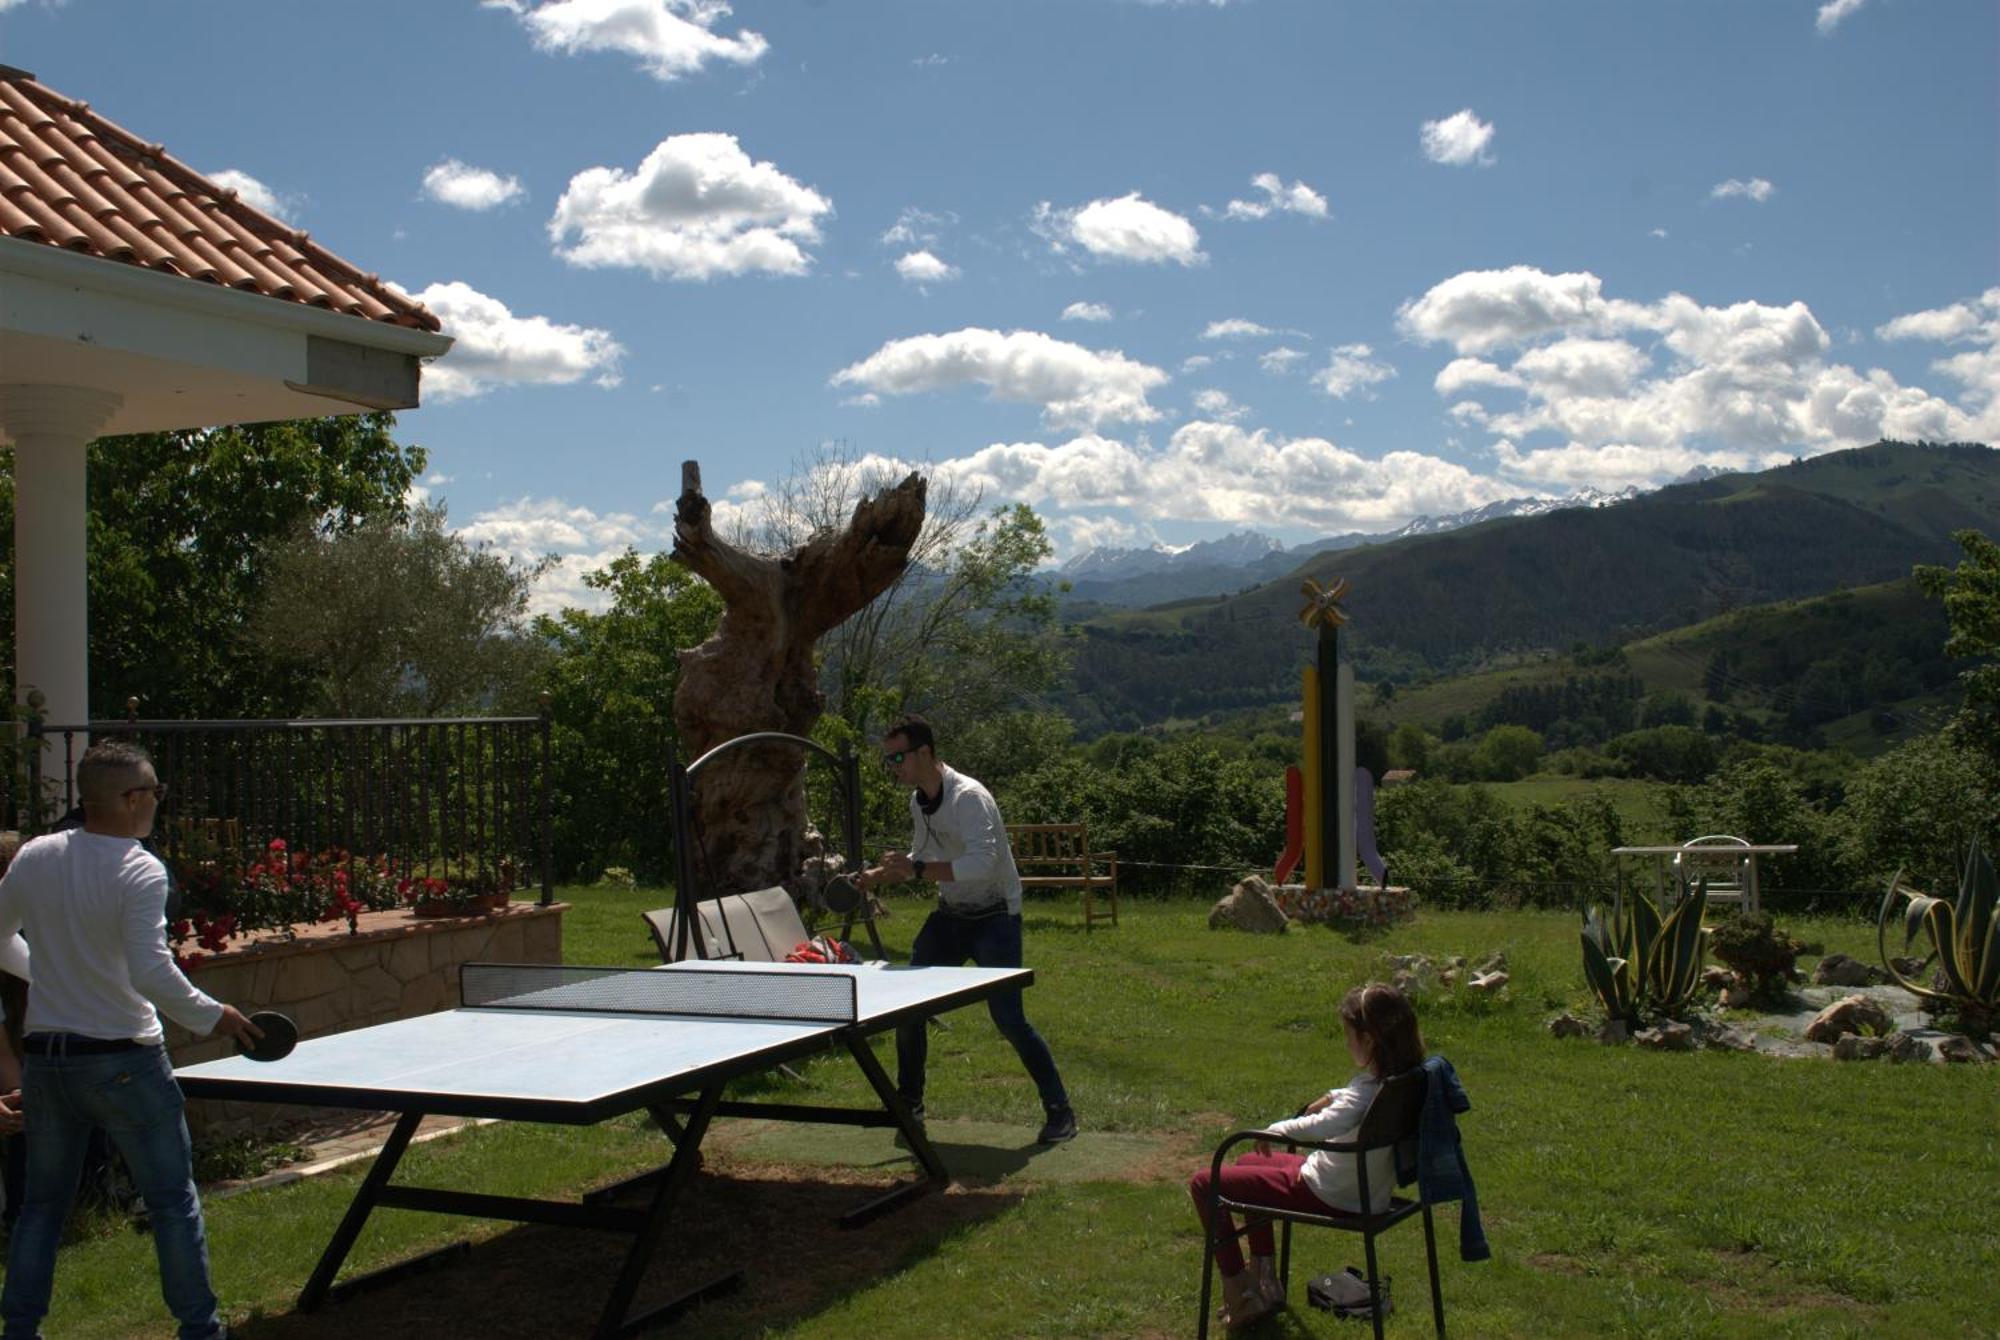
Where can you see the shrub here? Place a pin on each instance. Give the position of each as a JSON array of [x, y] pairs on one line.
[[1965, 942], [1636, 963], [1756, 950]]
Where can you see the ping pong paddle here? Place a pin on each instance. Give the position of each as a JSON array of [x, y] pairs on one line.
[[280, 1036], [842, 893]]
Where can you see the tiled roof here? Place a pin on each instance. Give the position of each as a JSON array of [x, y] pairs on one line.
[[71, 179]]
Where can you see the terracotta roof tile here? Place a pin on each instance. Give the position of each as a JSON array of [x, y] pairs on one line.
[[70, 178]]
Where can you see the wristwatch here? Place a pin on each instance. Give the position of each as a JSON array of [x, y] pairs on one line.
[[917, 868]]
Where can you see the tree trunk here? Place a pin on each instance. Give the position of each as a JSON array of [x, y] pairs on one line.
[[757, 672]]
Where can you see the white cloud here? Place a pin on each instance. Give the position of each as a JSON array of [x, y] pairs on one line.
[[1940, 323], [1738, 385], [1279, 361], [1196, 362], [1756, 189], [920, 267], [1075, 386], [917, 228], [1458, 140], [1214, 471], [1461, 373], [1351, 368], [1130, 228], [1216, 404], [1832, 12], [454, 183], [1298, 198], [1659, 233], [1233, 328], [1482, 310], [528, 529], [696, 207], [1087, 311], [496, 348], [670, 38], [254, 193]]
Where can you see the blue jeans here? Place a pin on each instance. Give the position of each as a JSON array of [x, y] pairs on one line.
[[991, 942], [132, 1097]]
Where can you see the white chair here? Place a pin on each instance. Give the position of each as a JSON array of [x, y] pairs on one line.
[[1725, 863], [759, 927]]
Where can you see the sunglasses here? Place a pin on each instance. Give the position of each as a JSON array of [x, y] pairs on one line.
[[895, 760]]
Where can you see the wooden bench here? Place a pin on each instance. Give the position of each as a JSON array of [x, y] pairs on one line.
[[1058, 856]]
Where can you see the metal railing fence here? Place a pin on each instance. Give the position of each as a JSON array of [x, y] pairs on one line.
[[436, 795]]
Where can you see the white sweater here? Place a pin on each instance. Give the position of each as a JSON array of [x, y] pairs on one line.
[[966, 831], [1334, 1178], [94, 910]]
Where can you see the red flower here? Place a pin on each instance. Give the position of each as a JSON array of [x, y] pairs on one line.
[[277, 844]]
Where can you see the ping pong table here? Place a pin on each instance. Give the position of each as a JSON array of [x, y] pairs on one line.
[[575, 1045]]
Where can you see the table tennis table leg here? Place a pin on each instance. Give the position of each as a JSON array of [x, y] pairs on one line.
[[357, 1213], [913, 1134], [687, 1154]]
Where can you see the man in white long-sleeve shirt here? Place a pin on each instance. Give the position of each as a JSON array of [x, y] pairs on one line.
[[92, 903], [960, 843]]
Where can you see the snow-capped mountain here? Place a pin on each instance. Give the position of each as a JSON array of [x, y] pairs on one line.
[[1209, 567]]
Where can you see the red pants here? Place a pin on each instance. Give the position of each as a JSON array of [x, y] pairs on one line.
[[1263, 1179]]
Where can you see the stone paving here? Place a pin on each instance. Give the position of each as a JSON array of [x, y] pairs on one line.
[[337, 1139]]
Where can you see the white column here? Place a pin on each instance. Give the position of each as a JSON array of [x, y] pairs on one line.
[[50, 426]]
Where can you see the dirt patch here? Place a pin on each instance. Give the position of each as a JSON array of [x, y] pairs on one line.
[[781, 1227], [1555, 1263]]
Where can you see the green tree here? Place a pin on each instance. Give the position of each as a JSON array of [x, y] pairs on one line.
[[1410, 747], [1917, 809], [180, 527], [399, 617], [1507, 753], [1971, 596], [612, 677], [967, 633]]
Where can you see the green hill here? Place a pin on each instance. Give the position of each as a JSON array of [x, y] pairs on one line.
[[1517, 589]]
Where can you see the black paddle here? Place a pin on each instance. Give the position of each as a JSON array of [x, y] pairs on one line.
[[842, 893], [280, 1036]]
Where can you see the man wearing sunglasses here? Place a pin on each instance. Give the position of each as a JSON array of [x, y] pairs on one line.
[[960, 844], [93, 904]]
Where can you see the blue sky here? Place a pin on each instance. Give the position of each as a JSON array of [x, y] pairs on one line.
[[1162, 270]]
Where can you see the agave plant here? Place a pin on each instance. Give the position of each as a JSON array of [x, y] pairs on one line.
[[1639, 962], [1965, 940]]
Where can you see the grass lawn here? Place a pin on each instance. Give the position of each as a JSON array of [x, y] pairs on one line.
[[1625, 1193]]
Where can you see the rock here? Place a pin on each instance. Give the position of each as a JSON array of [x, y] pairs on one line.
[[1567, 1025], [1407, 961], [1909, 967], [1449, 977], [1960, 1049], [1849, 1014], [1249, 907], [1854, 1047], [1840, 970], [1456, 961], [1613, 1032], [1906, 1047], [1488, 981], [1723, 1037], [1735, 996], [1666, 1037], [1717, 978], [1497, 962]]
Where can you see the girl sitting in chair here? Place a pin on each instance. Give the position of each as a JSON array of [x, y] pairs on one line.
[[1383, 1039]]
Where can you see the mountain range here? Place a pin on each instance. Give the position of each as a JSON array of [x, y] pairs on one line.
[[1149, 576], [1482, 593]]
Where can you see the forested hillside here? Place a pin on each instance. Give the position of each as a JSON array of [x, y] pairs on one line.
[[1452, 602]]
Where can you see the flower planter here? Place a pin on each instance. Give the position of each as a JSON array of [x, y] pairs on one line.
[[484, 904]]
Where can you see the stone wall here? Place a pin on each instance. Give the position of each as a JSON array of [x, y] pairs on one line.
[[392, 966]]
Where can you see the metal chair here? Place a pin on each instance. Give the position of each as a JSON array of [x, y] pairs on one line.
[[1718, 859], [1390, 1120], [758, 927]]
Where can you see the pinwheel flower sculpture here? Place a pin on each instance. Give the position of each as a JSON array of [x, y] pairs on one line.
[[1323, 609]]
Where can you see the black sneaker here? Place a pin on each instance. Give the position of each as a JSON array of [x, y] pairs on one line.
[[1060, 1126]]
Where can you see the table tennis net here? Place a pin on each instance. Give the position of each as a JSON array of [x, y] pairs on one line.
[[796, 996]]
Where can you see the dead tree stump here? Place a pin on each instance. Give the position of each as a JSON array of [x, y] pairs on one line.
[[756, 673]]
